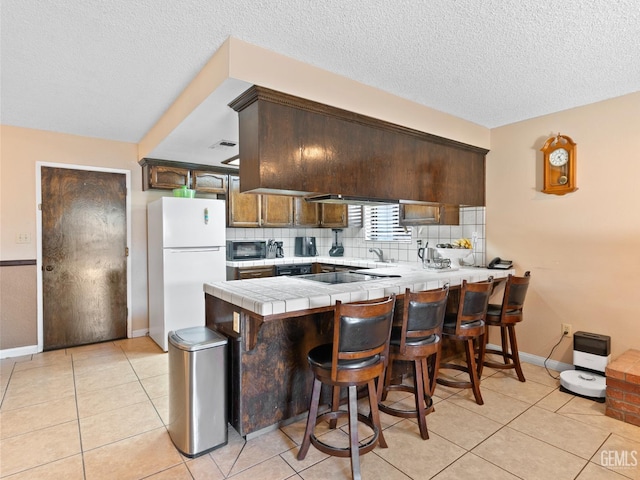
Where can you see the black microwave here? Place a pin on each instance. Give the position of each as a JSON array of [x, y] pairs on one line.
[[246, 249]]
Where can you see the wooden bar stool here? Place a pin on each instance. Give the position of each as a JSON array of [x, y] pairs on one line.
[[356, 357], [418, 340], [506, 316], [467, 325]]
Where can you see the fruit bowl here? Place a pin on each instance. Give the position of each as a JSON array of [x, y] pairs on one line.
[[455, 254]]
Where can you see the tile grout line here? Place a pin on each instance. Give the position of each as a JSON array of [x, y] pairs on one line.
[[75, 397]]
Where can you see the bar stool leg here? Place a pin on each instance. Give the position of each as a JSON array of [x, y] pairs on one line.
[[386, 381], [419, 387], [335, 406], [474, 368], [505, 344], [353, 432], [435, 365], [515, 356], [375, 413], [311, 419]]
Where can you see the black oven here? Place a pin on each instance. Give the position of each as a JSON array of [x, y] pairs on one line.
[[294, 269], [246, 249]]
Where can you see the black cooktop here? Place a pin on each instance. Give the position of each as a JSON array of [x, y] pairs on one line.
[[340, 277]]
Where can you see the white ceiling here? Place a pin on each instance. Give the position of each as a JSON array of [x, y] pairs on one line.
[[110, 68]]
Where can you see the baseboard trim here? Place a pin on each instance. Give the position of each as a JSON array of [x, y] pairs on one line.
[[33, 349], [537, 360], [18, 351]]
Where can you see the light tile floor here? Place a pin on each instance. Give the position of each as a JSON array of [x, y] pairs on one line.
[[100, 411]]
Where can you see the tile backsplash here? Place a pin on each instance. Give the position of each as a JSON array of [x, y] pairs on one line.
[[472, 219]]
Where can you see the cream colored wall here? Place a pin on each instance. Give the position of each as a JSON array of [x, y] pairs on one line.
[[20, 149], [269, 69], [583, 248], [256, 65]]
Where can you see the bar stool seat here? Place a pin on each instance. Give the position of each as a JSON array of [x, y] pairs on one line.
[[468, 326], [418, 340], [357, 357], [506, 316]]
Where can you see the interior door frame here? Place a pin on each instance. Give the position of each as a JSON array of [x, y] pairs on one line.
[[127, 174]]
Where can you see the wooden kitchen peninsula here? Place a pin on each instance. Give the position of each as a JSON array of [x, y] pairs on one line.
[[273, 322]]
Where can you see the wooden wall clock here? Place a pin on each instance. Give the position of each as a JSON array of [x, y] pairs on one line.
[[559, 165]]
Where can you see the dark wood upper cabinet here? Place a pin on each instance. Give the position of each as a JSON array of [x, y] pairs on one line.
[[299, 146], [311, 214], [412, 215], [277, 211], [306, 214], [209, 182], [167, 175], [333, 215], [243, 209]]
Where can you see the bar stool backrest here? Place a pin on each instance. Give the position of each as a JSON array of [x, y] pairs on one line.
[[423, 314], [474, 300], [361, 332], [515, 292]]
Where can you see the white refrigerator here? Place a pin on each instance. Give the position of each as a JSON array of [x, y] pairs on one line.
[[186, 248]]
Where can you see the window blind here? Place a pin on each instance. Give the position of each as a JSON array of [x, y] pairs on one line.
[[382, 223]]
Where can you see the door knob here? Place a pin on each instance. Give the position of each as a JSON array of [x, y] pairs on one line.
[[48, 268]]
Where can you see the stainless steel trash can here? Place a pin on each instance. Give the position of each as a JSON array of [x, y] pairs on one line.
[[197, 390]]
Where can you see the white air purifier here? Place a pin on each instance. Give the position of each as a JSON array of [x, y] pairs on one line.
[[591, 355]]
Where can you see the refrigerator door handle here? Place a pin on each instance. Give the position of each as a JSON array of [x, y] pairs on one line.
[[194, 250]]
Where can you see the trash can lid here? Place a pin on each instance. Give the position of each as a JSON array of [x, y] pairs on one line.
[[196, 338]]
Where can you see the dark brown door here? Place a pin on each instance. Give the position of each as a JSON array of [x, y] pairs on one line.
[[84, 248]]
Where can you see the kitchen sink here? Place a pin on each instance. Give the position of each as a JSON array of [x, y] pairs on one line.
[[343, 277]]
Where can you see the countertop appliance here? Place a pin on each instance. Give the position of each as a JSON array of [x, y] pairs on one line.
[[293, 269], [246, 249], [336, 250], [186, 248], [306, 247], [279, 250]]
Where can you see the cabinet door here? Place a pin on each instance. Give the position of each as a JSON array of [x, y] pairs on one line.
[[209, 182], [254, 272], [168, 177], [419, 214], [429, 215], [306, 214], [244, 208], [277, 211], [333, 215]]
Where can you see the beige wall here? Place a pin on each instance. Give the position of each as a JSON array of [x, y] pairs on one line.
[[20, 149], [583, 248], [18, 307]]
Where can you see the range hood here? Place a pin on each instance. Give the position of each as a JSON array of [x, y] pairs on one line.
[[349, 200], [290, 144]]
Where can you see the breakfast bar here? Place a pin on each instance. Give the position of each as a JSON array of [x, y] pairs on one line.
[[272, 323]]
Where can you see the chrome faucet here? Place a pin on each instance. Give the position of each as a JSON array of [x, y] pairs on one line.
[[378, 252]]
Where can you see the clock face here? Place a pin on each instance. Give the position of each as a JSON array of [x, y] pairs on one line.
[[559, 157]]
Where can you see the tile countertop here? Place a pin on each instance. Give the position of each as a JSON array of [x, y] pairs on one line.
[[277, 295], [349, 261]]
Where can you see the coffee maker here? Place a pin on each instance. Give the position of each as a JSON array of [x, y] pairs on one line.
[[305, 247], [279, 250]]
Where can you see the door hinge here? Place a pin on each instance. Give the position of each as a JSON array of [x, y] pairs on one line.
[[126, 251]]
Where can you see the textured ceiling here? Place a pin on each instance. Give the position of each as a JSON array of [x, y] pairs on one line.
[[110, 68]]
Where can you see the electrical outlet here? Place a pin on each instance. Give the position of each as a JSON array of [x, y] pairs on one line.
[[23, 238], [566, 330]]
